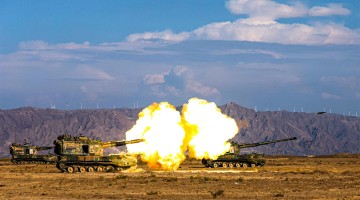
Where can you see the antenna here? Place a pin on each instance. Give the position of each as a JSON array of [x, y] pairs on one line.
[[255, 109], [64, 129], [80, 106]]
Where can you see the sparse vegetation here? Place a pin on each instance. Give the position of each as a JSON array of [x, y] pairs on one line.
[[295, 178], [153, 193], [279, 194], [171, 179], [240, 179], [218, 193], [204, 179], [207, 178], [121, 176]]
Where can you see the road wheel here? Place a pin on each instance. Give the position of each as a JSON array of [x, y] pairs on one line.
[[237, 165], [82, 169], [244, 165], [90, 169], [224, 165], [216, 165], [61, 166], [253, 165], [70, 169], [231, 165], [99, 169], [109, 168]]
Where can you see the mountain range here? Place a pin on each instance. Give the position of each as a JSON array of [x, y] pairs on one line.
[[317, 134]]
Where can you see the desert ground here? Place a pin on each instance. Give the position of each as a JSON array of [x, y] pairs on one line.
[[282, 177]]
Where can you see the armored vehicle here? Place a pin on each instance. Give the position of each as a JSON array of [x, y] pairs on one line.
[[26, 153], [233, 158], [80, 154]]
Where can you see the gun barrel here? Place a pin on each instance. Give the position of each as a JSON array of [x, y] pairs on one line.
[[264, 143], [44, 148], [134, 141], [121, 143]]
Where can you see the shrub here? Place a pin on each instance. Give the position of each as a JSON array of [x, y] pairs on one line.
[[219, 193]]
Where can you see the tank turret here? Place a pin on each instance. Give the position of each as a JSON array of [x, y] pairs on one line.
[[233, 158], [27, 153], [80, 153]]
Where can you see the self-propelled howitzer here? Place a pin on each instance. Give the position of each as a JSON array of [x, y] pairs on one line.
[[80, 153], [27, 153], [233, 158]]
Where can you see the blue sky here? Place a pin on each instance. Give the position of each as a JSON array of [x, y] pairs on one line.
[[275, 55]]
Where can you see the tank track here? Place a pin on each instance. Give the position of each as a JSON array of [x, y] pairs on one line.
[[25, 162], [76, 167], [229, 164]]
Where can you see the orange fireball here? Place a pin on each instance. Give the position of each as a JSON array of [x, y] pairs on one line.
[[202, 130]]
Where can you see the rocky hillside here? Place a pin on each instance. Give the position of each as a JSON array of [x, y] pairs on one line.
[[317, 134]]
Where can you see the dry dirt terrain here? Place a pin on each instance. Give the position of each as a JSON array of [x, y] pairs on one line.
[[331, 177]]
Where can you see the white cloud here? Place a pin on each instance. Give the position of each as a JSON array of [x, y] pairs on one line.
[[349, 82], [326, 95], [267, 75], [166, 35], [89, 73], [39, 50], [349, 86], [31, 45], [242, 30], [332, 9], [179, 81], [154, 78], [91, 95], [262, 27], [42, 45], [270, 10], [273, 54], [198, 88], [266, 10]]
